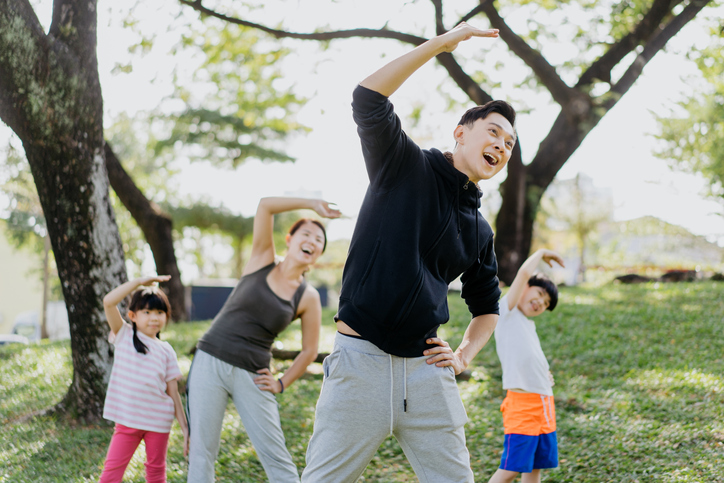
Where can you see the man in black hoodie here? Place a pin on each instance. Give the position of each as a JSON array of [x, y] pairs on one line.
[[418, 229]]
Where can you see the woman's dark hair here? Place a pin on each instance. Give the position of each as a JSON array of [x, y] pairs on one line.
[[481, 112], [302, 221], [540, 280], [151, 298]]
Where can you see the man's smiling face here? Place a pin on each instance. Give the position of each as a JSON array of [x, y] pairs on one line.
[[485, 147]]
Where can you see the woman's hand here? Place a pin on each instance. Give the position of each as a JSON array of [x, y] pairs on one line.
[[324, 208], [266, 382], [443, 355]]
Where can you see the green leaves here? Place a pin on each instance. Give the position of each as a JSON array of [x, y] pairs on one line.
[[693, 137], [247, 108]]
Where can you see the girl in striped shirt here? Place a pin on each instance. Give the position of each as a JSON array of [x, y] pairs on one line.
[[142, 397]]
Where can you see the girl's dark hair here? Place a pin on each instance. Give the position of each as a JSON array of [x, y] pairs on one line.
[[151, 298], [540, 280], [302, 221], [481, 112]]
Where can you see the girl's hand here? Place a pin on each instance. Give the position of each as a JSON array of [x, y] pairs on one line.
[[186, 443], [266, 382], [550, 378], [462, 32], [324, 208], [145, 281]]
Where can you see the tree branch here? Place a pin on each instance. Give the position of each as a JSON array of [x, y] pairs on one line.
[[601, 68], [23, 54], [478, 9], [439, 25], [651, 48], [332, 35], [156, 226], [75, 24], [561, 92], [464, 81]]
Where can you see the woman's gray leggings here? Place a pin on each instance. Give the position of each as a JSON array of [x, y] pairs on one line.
[[211, 383]]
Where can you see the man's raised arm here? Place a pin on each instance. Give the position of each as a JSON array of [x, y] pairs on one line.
[[390, 77]]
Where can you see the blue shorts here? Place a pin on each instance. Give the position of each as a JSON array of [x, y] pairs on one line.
[[523, 453]]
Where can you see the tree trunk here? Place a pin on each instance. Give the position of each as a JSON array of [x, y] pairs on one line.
[[524, 187], [511, 243], [50, 96], [46, 284], [156, 226]]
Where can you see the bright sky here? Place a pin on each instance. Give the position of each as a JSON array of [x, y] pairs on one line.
[[617, 154]]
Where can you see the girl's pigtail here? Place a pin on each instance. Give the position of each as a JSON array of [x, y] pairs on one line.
[[140, 346]]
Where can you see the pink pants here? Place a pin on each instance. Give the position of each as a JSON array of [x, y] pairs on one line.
[[124, 442]]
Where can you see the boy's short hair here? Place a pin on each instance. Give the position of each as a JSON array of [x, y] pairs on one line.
[[481, 112], [540, 280]]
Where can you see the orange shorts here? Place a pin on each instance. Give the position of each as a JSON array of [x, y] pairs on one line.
[[528, 413]]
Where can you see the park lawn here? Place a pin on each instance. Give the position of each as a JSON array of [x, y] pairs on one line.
[[639, 397]]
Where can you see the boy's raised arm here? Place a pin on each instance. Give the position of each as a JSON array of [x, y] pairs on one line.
[[390, 77], [527, 270]]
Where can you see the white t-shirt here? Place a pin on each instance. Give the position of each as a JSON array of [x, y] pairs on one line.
[[516, 341], [136, 395]]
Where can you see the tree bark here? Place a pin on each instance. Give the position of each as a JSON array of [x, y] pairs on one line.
[[50, 96], [46, 287], [156, 226]]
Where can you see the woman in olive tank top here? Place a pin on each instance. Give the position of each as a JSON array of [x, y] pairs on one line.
[[233, 357]]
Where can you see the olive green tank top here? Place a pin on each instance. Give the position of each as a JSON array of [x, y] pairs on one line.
[[244, 330]]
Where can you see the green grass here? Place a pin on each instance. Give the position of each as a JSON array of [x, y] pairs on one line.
[[639, 397]]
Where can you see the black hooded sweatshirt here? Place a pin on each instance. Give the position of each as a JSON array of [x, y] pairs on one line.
[[418, 229]]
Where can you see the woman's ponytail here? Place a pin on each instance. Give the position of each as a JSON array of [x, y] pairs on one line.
[[140, 346]]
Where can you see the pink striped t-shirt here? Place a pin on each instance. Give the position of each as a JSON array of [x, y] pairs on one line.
[[136, 395]]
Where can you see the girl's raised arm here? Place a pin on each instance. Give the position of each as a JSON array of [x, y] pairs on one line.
[[116, 296], [262, 248]]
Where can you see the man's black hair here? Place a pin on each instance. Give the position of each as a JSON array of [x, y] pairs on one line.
[[539, 280], [481, 112]]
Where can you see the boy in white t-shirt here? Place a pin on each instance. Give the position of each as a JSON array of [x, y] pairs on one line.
[[529, 417]]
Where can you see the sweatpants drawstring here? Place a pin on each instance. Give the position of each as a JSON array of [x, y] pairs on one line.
[[392, 402], [404, 384]]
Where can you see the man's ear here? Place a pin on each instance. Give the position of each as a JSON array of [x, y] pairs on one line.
[[459, 134]]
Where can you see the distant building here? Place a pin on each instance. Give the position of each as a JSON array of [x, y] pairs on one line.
[[649, 241], [645, 245], [21, 287]]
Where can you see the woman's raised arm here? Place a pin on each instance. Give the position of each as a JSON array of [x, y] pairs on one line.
[[262, 248]]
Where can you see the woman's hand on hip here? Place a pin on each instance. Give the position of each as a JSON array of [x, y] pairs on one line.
[[266, 382]]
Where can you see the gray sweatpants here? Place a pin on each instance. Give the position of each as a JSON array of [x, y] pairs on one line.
[[211, 382], [368, 395]]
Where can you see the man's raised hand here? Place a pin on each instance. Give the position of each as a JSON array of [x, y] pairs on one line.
[[462, 32]]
